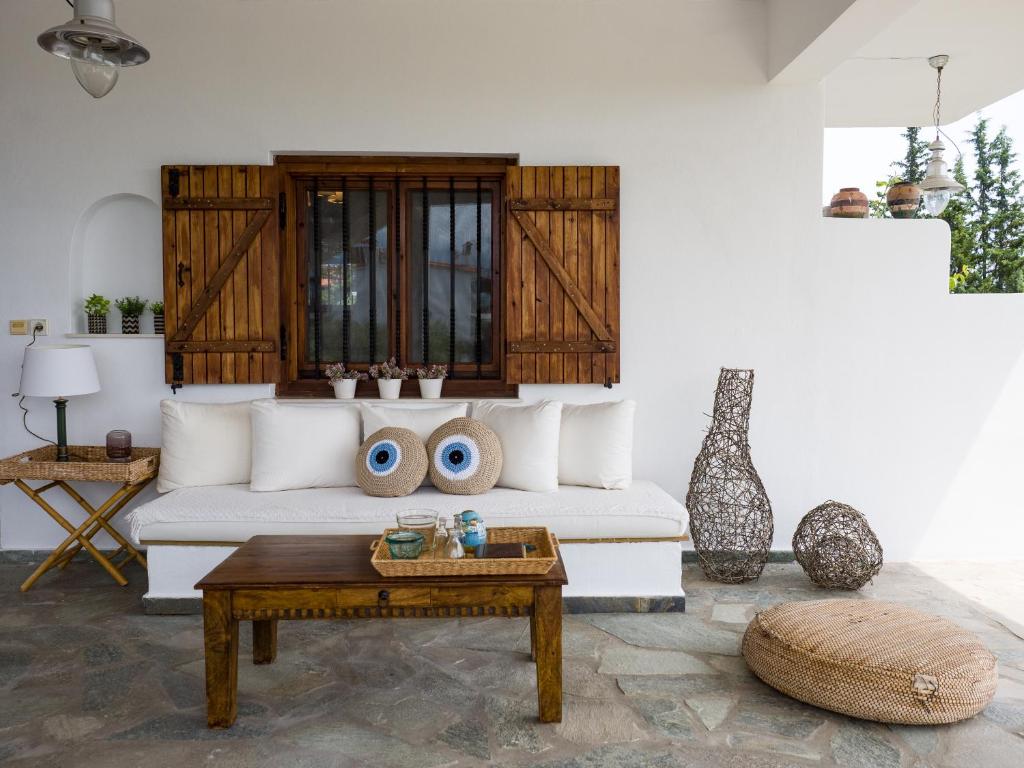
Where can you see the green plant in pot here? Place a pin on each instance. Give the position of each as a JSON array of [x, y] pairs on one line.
[[96, 309], [157, 308], [130, 307]]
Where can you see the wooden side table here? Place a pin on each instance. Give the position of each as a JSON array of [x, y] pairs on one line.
[[88, 464]]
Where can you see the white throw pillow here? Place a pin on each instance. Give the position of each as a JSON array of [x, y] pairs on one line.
[[529, 442], [203, 444], [310, 445], [422, 421], [595, 447]]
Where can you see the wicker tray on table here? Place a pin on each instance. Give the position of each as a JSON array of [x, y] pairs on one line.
[[88, 463], [539, 560]]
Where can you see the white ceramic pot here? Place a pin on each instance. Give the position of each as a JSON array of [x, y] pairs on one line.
[[345, 389], [389, 389], [430, 389]]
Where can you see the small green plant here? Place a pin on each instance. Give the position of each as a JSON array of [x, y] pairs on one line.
[[131, 306], [97, 305], [338, 372], [157, 307], [389, 369], [432, 372]]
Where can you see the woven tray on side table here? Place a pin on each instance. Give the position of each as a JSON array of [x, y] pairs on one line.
[[88, 463], [538, 561]]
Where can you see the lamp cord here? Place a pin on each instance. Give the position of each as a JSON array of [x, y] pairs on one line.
[[21, 402], [937, 113]]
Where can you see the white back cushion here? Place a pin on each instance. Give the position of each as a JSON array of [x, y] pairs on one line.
[[595, 445], [422, 421], [529, 442], [309, 445], [204, 444]]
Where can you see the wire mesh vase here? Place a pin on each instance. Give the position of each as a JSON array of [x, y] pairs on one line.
[[730, 514]]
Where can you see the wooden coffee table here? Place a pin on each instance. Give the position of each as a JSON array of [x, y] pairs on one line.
[[330, 577]]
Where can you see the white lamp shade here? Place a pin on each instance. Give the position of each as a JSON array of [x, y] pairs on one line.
[[61, 370]]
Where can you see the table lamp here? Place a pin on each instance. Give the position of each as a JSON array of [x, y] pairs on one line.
[[59, 371]]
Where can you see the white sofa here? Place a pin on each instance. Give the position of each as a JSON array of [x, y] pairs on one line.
[[622, 548]]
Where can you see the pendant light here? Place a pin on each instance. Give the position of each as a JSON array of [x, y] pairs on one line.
[[938, 185], [95, 46]]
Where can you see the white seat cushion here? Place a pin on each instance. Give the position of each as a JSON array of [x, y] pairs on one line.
[[233, 513]]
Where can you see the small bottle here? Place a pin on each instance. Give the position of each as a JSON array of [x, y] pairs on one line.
[[453, 548], [440, 536], [457, 528]]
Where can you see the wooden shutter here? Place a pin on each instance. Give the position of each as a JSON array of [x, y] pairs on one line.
[[221, 303], [562, 275]]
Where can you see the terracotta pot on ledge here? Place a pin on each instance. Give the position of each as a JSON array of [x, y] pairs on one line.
[[904, 199], [849, 203]]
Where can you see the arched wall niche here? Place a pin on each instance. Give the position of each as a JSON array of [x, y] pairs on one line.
[[116, 251]]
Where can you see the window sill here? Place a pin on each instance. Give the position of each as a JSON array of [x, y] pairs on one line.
[[454, 389], [113, 335]]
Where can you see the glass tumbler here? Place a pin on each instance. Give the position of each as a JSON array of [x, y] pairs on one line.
[[422, 521], [119, 445]]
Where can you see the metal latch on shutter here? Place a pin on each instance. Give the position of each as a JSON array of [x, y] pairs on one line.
[[177, 372]]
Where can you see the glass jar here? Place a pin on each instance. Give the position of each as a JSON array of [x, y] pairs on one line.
[[119, 445]]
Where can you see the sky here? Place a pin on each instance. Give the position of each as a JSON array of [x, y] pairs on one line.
[[858, 157]]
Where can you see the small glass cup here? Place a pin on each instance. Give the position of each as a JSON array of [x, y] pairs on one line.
[[119, 445], [422, 521]]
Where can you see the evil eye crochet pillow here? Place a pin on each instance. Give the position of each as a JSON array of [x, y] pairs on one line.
[[465, 457], [391, 462]]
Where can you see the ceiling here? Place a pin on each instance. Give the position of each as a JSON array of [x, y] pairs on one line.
[[888, 82]]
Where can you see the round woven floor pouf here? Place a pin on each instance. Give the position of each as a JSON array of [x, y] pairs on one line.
[[836, 547], [465, 457], [872, 660], [391, 462]]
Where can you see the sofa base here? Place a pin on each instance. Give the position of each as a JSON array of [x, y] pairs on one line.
[[604, 577]]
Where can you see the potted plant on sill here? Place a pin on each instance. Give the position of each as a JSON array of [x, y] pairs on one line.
[[157, 307], [96, 308], [389, 377], [344, 381], [130, 307], [431, 379]]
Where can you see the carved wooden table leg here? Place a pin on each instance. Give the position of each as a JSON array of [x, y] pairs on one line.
[[547, 619], [264, 641], [533, 636], [220, 630]]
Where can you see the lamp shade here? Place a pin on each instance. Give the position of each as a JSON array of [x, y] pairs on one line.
[[61, 370]]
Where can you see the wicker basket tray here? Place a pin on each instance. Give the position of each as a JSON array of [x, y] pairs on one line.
[[537, 562], [88, 463]]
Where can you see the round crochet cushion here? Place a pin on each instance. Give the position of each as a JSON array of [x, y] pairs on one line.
[[465, 457], [391, 462], [872, 660]]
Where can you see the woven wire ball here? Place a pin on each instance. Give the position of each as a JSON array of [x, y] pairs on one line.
[[836, 547]]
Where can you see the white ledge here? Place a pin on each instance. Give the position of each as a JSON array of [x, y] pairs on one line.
[[113, 335]]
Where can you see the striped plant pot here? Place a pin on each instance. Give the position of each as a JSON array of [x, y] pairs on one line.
[[97, 323], [904, 199], [849, 203], [129, 324], [158, 323]]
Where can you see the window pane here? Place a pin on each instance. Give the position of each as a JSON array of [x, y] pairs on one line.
[[467, 307], [332, 285]]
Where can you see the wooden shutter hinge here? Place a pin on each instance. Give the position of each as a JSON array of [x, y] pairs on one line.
[[284, 342], [177, 372], [173, 182], [282, 209]]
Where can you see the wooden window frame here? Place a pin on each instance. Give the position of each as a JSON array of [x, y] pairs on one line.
[[295, 172]]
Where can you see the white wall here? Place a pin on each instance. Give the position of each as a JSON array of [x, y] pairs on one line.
[[723, 261]]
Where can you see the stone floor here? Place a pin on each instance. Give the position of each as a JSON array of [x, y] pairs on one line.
[[87, 680]]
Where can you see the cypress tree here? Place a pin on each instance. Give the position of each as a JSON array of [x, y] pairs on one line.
[[915, 161]]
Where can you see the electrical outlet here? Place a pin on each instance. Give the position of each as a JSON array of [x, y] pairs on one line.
[[39, 327], [18, 327]]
